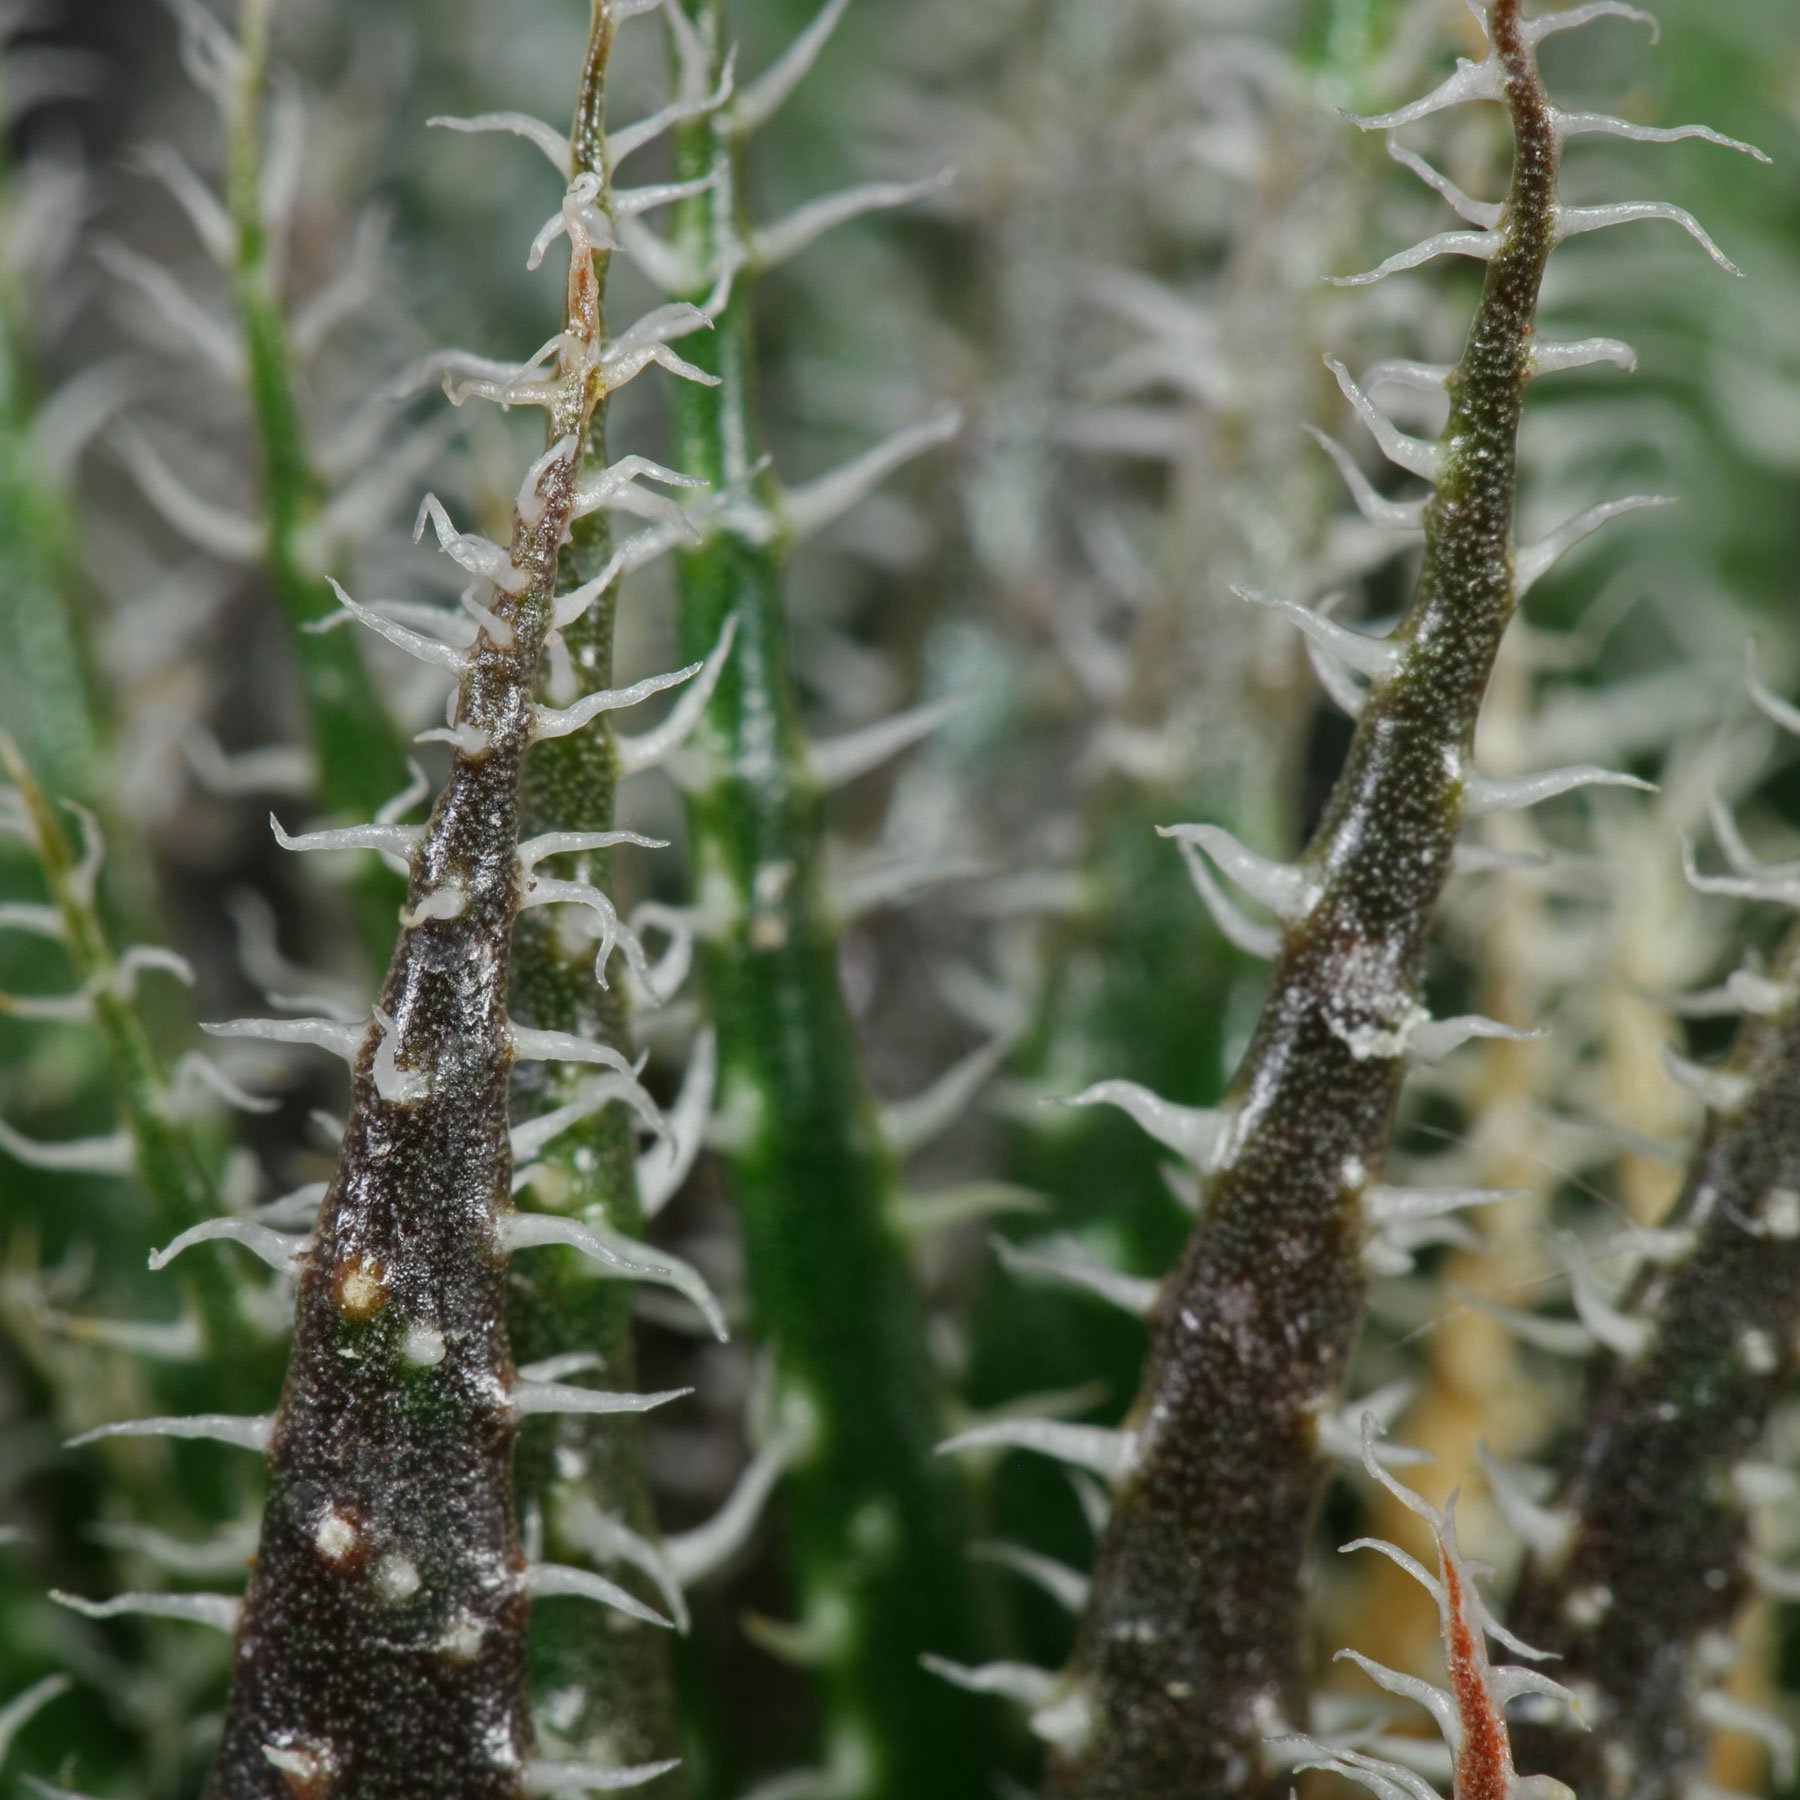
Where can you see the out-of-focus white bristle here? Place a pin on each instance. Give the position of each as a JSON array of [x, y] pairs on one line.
[[204, 209], [1769, 884], [544, 1776], [631, 202], [1068, 1587], [880, 882], [666, 1164], [764, 97], [1719, 1090], [1725, 1712], [1485, 214], [214, 340], [1545, 1531], [530, 1137], [224, 1553], [1777, 710], [19, 1711], [619, 1256], [268, 769], [1374, 657], [369, 494], [321, 1034], [787, 237], [1533, 561], [113, 1154], [659, 744], [1624, 1334], [214, 528], [1429, 1040], [1344, 1435], [1102, 1450], [220, 1611], [835, 762], [343, 296], [605, 1539], [1021, 1682], [1064, 1261], [39, 921], [709, 1547], [615, 488], [809, 508], [49, 1009], [909, 1125], [1385, 1205], [628, 139], [1560, 1337]]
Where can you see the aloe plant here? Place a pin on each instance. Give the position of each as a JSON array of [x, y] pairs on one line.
[[390, 1560], [1188, 1657], [1644, 1556], [630, 1076]]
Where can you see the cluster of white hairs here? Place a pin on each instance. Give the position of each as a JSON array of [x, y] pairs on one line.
[[193, 323]]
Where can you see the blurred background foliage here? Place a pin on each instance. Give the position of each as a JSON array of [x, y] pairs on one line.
[[1121, 289]]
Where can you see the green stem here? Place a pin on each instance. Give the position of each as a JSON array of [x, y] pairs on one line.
[[614, 1675], [172, 1168], [360, 765], [875, 1521]]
